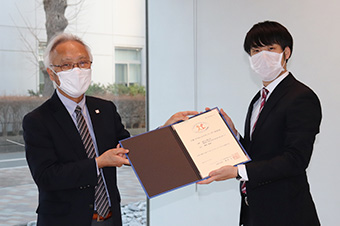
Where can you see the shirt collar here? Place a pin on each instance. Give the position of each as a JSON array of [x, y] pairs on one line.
[[70, 104], [274, 83]]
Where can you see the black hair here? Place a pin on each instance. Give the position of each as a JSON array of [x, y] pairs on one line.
[[268, 33]]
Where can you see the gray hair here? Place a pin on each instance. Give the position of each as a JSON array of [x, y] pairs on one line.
[[58, 39]]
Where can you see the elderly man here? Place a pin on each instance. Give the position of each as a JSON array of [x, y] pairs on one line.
[[72, 143]]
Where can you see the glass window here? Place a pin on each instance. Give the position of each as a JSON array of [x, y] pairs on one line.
[[121, 73], [23, 88], [135, 74], [128, 66]]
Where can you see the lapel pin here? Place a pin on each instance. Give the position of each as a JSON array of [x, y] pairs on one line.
[[97, 111]]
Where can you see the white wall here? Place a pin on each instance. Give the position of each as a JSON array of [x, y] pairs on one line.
[[18, 72], [105, 25], [196, 59]]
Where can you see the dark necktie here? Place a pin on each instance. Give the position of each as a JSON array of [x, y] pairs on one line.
[[101, 198], [263, 101]]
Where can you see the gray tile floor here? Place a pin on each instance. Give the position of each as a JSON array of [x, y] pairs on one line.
[[18, 194]]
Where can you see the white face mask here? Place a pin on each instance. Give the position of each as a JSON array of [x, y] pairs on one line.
[[74, 82], [267, 65]]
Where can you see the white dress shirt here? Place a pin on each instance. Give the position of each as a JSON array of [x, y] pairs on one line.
[[242, 170]]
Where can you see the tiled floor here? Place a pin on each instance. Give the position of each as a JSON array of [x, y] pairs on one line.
[[19, 194]]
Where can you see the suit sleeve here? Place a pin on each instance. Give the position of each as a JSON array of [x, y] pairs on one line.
[[52, 162], [300, 126]]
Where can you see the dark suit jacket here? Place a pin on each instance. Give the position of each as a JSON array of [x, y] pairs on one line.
[[59, 165], [281, 148]]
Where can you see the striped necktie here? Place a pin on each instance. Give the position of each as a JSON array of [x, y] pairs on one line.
[[263, 101], [101, 199]]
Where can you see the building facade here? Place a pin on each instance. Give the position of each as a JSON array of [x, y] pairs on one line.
[[114, 30]]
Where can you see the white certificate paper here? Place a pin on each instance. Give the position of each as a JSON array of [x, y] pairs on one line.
[[210, 142]]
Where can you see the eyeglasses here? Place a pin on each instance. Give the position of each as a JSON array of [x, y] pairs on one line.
[[85, 64]]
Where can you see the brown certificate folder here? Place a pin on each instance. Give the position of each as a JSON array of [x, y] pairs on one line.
[[162, 162]]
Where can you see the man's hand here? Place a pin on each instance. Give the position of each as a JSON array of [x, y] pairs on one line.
[[230, 123], [113, 157], [228, 119], [223, 173], [179, 116]]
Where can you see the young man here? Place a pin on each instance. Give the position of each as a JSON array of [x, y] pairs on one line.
[[281, 124]]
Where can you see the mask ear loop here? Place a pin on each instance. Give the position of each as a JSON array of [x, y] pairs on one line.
[[284, 54], [285, 60], [55, 85], [53, 70]]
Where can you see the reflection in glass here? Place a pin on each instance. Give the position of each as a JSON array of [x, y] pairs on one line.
[[118, 76]]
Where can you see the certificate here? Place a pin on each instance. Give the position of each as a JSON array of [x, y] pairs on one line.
[[210, 142], [183, 153]]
